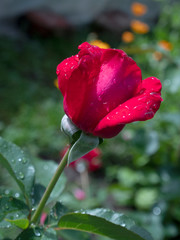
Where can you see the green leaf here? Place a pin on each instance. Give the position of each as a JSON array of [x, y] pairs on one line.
[[73, 235], [13, 209], [44, 172], [18, 164], [104, 222], [82, 146], [22, 223], [37, 234]]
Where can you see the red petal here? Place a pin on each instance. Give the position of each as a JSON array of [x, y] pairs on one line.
[[139, 108], [64, 71]]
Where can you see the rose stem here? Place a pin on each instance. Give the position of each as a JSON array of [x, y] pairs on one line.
[[49, 188]]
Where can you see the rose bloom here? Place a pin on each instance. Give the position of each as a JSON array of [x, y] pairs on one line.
[[79, 194], [103, 90]]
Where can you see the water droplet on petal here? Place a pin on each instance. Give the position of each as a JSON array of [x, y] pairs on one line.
[[149, 115], [117, 113], [123, 116], [155, 106], [114, 80], [139, 107], [99, 98], [107, 109], [108, 118]]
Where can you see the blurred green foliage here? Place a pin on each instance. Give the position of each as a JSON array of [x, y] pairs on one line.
[[141, 166]]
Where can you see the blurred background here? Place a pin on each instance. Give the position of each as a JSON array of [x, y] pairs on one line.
[[137, 172]]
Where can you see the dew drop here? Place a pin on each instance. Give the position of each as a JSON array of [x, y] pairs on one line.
[[99, 98], [108, 118], [123, 116], [156, 211], [155, 106], [21, 175], [123, 224], [7, 192], [114, 80], [139, 107], [24, 160], [149, 115], [17, 215], [17, 195], [12, 160], [117, 113], [107, 109], [19, 159], [37, 233], [153, 93]]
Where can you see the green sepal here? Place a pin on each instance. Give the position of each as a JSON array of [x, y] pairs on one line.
[[82, 146]]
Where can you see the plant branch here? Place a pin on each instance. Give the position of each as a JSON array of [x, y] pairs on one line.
[[49, 188]]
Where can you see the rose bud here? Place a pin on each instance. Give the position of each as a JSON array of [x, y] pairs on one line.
[[103, 91]]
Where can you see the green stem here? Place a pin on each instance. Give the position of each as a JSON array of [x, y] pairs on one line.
[[49, 188]]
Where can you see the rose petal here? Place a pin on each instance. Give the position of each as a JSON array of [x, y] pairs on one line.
[[139, 108], [103, 80], [64, 71]]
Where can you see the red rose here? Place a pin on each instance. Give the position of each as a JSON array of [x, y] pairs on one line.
[[103, 90]]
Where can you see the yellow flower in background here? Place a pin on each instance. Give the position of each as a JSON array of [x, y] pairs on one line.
[[138, 9], [127, 37], [56, 83], [100, 44], [165, 45], [139, 27]]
